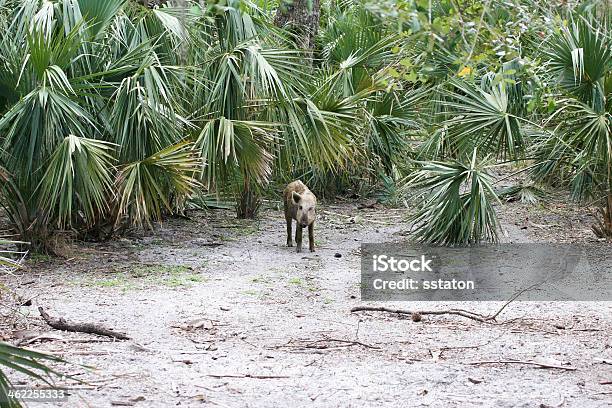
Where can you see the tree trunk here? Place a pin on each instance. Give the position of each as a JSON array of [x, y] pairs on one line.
[[248, 203], [302, 16]]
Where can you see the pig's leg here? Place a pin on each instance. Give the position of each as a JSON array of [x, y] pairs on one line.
[[311, 244], [298, 238], [289, 240]]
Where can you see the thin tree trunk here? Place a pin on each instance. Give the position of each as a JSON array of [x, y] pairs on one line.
[[303, 17]]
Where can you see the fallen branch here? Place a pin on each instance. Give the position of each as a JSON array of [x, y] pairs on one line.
[[320, 344], [90, 328], [29, 340], [541, 365], [323, 344], [258, 377], [416, 314], [346, 343]]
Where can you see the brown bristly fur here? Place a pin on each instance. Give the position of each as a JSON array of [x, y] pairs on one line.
[[300, 205]]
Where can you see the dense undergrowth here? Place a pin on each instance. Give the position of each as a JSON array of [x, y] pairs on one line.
[[115, 115]]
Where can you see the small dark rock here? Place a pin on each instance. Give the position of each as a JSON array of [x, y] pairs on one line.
[[338, 255]]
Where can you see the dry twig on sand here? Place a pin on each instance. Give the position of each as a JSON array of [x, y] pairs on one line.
[[417, 314], [258, 377], [323, 344], [90, 328], [535, 363]]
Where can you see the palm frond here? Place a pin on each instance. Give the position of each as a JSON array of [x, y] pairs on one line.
[[77, 180], [143, 115], [28, 362], [523, 193], [457, 203], [580, 147], [159, 183], [229, 146], [483, 120], [99, 14], [580, 57]]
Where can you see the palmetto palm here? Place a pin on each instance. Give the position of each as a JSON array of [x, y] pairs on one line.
[[263, 107], [488, 112], [480, 119], [241, 78], [351, 87], [89, 93], [577, 145], [484, 117], [457, 202]]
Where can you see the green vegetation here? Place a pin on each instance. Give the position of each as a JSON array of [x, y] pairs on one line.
[[295, 281], [115, 114], [173, 276], [27, 362]]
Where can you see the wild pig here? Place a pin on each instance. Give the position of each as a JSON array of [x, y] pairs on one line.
[[300, 205]]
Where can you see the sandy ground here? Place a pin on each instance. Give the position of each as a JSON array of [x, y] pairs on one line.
[[223, 314]]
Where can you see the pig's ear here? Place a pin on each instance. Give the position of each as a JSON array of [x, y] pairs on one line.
[[296, 197]]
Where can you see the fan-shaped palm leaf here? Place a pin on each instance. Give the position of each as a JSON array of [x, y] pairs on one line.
[[483, 120], [457, 206], [146, 187], [229, 146], [580, 57], [77, 180]]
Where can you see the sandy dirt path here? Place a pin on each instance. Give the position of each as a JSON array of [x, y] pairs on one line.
[[223, 314]]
